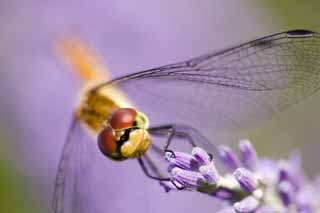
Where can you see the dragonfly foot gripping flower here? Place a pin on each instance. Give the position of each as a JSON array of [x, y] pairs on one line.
[[251, 184]]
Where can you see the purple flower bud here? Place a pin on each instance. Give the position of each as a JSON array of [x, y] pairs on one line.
[[227, 210], [287, 174], [249, 155], [248, 204], [304, 199], [187, 178], [290, 170], [224, 193], [286, 192], [283, 174], [201, 155], [229, 157], [246, 179], [210, 173], [263, 182], [182, 160], [305, 209]]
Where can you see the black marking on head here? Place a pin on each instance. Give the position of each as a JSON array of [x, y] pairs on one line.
[[123, 139]]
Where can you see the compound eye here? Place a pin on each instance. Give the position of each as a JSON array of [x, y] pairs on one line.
[[123, 118], [107, 141]]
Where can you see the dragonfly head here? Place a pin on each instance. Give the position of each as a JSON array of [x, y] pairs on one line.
[[125, 135]]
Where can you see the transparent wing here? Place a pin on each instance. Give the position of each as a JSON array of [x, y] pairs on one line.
[[67, 195], [88, 182], [230, 89]]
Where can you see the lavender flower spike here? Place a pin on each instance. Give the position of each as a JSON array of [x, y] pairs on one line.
[[262, 185], [193, 171], [249, 155]]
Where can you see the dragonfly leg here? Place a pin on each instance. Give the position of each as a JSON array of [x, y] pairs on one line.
[[177, 131], [177, 186], [152, 166], [170, 134], [158, 178], [192, 136]]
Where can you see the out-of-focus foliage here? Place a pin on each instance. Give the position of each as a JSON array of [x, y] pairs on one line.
[[16, 194], [294, 14]]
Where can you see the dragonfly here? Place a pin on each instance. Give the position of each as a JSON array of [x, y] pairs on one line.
[[215, 93]]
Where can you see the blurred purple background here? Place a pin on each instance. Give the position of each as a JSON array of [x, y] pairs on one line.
[[38, 92]]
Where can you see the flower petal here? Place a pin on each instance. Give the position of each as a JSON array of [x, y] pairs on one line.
[[201, 155], [189, 179], [248, 204], [249, 155], [246, 179], [286, 192], [229, 157], [227, 210], [182, 160], [210, 173]]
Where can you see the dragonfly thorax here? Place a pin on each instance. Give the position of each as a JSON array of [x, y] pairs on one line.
[[95, 107], [125, 135]]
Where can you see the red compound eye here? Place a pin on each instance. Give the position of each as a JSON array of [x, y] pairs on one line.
[[123, 118], [107, 141]]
